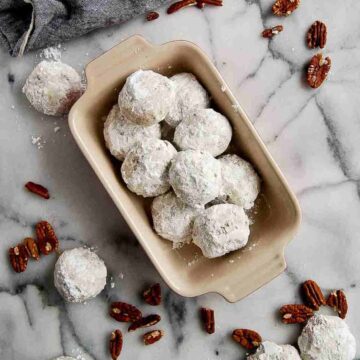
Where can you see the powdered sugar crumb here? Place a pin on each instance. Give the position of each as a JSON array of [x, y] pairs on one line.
[[51, 53], [38, 141]]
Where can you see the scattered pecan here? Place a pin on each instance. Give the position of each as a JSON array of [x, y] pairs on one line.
[[38, 189], [316, 35], [152, 15], [249, 339], [201, 3], [318, 70], [180, 5], [271, 32], [337, 300], [152, 337], [124, 312], [295, 313], [144, 322], [285, 7], [313, 295], [152, 295], [18, 258], [115, 344], [32, 248], [208, 319], [46, 237]]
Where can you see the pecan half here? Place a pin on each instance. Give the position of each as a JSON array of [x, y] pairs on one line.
[[312, 294], [152, 337], [46, 237], [18, 257], [38, 189], [285, 7], [152, 295], [316, 35], [249, 339], [152, 15], [115, 344], [337, 300], [32, 248], [318, 70], [208, 318], [145, 322], [201, 3], [295, 313], [180, 5], [271, 32], [124, 312]]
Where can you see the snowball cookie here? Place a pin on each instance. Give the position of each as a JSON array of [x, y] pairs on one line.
[[121, 134], [79, 275], [195, 177], [205, 130], [146, 97], [64, 358], [173, 219], [271, 351], [145, 168], [53, 87], [240, 182], [327, 338], [189, 95], [221, 229]]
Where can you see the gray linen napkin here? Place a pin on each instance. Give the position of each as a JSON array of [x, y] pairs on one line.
[[32, 24]]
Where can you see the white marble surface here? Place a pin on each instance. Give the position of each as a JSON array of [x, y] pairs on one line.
[[313, 135]]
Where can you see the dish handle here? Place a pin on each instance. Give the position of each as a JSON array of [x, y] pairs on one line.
[[273, 267], [115, 57]]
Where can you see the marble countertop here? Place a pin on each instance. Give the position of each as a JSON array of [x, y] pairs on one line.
[[314, 135]]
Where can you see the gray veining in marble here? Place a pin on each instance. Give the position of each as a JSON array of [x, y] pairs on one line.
[[314, 135]]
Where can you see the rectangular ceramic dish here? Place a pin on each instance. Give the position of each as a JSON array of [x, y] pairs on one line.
[[185, 270]]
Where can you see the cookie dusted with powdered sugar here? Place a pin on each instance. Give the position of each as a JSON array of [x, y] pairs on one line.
[[240, 182], [195, 177], [204, 130], [221, 229], [271, 351], [173, 219], [64, 358], [145, 168], [326, 338], [121, 134], [190, 95], [147, 97], [79, 275], [53, 87]]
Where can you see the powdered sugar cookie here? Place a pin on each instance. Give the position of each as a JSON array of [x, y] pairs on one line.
[[204, 130], [327, 338], [240, 182], [190, 95], [145, 168], [146, 97], [221, 229], [195, 177], [53, 87], [271, 351], [173, 219], [121, 134], [79, 275]]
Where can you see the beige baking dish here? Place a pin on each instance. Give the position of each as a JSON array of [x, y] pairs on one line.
[[186, 271]]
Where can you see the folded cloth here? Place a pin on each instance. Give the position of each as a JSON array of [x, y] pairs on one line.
[[32, 24]]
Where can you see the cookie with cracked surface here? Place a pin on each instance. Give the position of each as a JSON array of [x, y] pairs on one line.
[[147, 97], [190, 94], [121, 134], [145, 168]]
